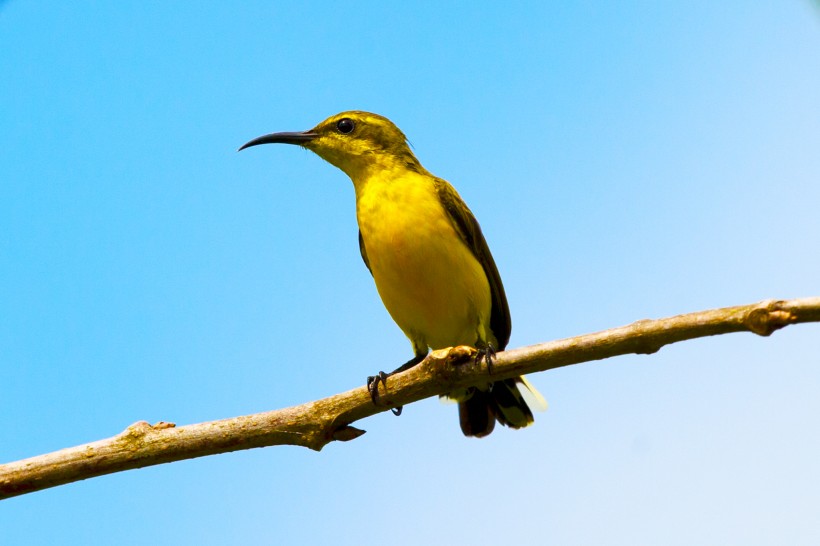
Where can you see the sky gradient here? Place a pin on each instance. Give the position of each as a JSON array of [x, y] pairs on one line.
[[626, 160]]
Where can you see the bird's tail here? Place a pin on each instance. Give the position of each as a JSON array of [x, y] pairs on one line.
[[504, 403]]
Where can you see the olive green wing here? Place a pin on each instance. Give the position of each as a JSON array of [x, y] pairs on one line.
[[467, 227], [364, 252]]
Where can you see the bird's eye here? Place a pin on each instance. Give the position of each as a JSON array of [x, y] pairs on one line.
[[345, 126]]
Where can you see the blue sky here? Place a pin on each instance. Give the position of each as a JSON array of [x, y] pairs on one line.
[[626, 160]]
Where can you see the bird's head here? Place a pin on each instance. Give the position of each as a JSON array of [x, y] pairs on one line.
[[354, 141]]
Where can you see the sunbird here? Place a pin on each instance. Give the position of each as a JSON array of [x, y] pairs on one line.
[[428, 257]]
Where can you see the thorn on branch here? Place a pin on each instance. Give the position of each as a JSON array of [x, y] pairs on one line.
[[347, 433]]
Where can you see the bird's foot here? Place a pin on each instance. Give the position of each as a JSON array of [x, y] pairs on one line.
[[373, 387], [381, 377], [373, 384], [487, 354]]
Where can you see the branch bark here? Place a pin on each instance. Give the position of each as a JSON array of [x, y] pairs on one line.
[[315, 424]]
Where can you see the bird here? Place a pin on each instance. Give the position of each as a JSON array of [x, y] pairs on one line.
[[428, 257]]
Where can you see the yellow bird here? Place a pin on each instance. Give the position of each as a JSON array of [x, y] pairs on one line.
[[428, 257]]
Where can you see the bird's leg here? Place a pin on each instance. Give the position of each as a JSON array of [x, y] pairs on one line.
[[486, 353], [374, 380]]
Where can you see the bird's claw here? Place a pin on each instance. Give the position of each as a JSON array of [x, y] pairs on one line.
[[373, 388], [373, 385], [487, 354]]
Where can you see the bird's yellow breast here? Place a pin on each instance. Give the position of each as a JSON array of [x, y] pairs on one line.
[[429, 280]]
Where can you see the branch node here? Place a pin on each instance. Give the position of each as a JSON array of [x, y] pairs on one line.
[[460, 354], [763, 321], [647, 348], [450, 363], [140, 428], [643, 346], [135, 434], [160, 425]]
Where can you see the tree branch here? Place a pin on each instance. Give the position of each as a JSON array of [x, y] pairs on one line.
[[315, 424]]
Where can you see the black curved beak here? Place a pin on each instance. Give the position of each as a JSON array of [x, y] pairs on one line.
[[281, 138]]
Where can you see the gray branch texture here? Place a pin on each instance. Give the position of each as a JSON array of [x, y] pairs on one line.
[[315, 424]]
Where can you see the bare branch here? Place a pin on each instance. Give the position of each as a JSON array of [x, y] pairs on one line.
[[315, 424]]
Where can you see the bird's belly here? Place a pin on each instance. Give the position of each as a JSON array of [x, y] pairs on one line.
[[429, 280]]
